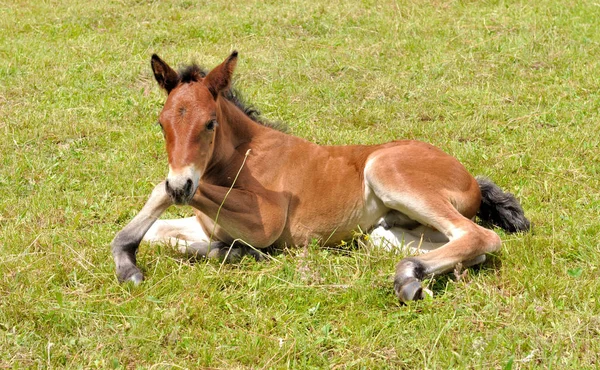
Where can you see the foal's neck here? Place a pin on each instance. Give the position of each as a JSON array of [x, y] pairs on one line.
[[237, 125]]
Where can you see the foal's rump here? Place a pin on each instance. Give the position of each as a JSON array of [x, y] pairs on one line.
[[420, 181]]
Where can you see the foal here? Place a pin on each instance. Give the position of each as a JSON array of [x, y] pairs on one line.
[[254, 184]]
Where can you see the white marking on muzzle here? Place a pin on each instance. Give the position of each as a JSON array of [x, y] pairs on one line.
[[182, 184]]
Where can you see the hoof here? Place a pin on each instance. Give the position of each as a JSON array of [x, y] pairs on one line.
[[409, 290], [385, 225], [130, 274], [407, 282], [136, 278]]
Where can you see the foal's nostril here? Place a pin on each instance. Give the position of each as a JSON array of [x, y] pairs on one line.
[[188, 185]]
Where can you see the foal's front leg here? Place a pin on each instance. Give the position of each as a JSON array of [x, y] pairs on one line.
[[126, 242]]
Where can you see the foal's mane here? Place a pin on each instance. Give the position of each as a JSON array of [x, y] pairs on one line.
[[194, 73]]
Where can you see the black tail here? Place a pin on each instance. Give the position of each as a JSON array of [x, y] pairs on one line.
[[500, 209]]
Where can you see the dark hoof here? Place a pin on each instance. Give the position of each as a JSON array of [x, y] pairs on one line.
[[235, 253], [258, 255], [136, 279], [385, 225], [408, 290], [227, 254], [130, 274]]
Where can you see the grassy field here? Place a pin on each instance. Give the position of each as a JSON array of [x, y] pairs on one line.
[[509, 88]]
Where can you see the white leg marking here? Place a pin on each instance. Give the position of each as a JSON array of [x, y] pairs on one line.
[[187, 229], [404, 241]]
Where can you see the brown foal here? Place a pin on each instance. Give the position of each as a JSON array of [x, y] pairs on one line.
[[252, 185]]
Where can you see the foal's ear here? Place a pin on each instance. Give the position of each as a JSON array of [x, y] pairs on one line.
[[219, 78], [166, 77]]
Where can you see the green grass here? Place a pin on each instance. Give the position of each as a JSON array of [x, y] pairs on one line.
[[509, 88]]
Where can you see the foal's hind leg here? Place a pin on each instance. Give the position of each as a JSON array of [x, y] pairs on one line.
[[423, 200], [126, 242], [414, 241], [468, 244]]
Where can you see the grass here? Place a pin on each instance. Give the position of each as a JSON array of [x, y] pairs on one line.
[[510, 88]]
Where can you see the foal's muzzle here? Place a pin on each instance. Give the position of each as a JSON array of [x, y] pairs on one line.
[[181, 184], [181, 192]]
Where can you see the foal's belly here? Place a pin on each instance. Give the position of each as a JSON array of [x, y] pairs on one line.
[[334, 219]]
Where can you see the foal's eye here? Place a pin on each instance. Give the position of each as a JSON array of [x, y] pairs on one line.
[[210, 125]]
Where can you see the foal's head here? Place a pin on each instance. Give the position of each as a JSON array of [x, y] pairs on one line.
[[189, 121]]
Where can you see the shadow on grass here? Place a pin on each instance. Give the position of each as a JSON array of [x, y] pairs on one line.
[[439, 284], [380, 288]]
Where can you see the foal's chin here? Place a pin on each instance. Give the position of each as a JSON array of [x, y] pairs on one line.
[[181, 197], [181, 201]]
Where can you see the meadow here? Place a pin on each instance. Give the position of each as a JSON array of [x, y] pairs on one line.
[[511, 88]]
